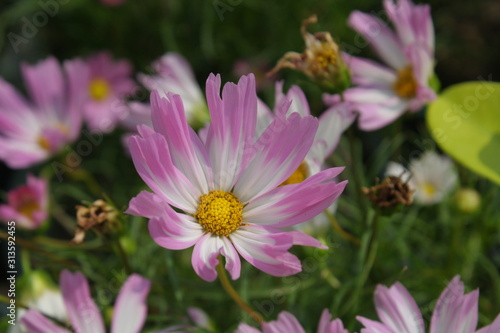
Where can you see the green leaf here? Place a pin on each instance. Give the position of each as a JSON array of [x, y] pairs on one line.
[[465, 122]]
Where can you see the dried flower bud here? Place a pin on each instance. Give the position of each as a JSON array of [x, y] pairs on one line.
[[321, 60], [390, 193], [99, 215]]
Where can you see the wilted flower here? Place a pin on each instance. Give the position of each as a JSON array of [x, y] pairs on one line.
[[109, 83], [98, 215], [32, 131], [431, 176], [383, 93], [321, 59], [173, 75], [332, 123], [225, 187], [27, 205], [287, 322], [390, 193], [454, 312], [129, 313]]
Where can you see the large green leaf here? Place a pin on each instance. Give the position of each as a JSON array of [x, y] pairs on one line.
[[465, 122]]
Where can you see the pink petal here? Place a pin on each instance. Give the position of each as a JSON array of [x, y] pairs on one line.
[[146, 204], [153, 162], [286, 322], [266, 249], [186, 149], [232, 129], [332, 124], [35, 322], [244, 328], [381, 38], [204, 257], [493, 328], [373, 326], [398, 310], [173, 230], [454, 311], [367, 72], [82, 311], [45, 83], [279, 152], [131, 308], [291, 204], [328, 326]]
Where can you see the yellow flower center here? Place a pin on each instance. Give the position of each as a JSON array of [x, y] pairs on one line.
[[428, 189], [405, 85], [43, 142], [99, 89], [323, 57], [28, 208], [298, 176], [219, 212]]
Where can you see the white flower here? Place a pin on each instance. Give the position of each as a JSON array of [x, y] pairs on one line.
[[432, 177]]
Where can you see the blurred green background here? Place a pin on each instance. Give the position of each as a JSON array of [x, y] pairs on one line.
[[421, 247]]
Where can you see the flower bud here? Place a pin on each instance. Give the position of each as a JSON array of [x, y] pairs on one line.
[[468, 200]]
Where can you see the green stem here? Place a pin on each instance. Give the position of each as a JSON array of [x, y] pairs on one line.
[[234, 294], [356, 176], [123, 256]]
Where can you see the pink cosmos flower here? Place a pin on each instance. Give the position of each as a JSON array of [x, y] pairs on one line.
[[225, 187], [174, 75], [108, 83], [287, 322], [129, 311], [332, 123], [32, 131], [27, 204], [383, 93], [454, 312]]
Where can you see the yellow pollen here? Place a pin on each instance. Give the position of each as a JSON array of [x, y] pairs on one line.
[[99, 89], [323, 58], [428, 189], [405, 85], [298, 176], [44, 143], [28, 208], [219, 212]]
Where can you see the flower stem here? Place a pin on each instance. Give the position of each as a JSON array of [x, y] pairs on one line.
[[123, 256], [344, 234], [234, 294]]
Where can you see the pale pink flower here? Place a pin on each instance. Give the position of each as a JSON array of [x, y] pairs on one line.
[[454, 312], [109, 83], [129, 313], [332, 124], [383, 93], [27, 204], [225, 187], [32, 131], [173, 75], [287, 322]]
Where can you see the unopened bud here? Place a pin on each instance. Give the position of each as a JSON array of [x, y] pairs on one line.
[[468, 200]]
